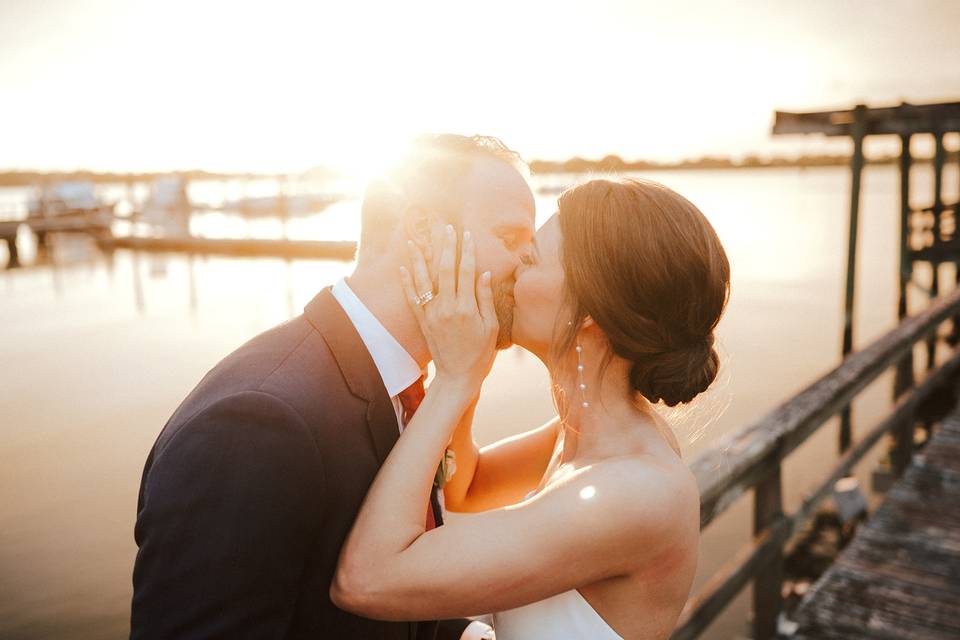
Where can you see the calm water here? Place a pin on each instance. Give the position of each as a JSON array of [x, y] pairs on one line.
[[96, 355]]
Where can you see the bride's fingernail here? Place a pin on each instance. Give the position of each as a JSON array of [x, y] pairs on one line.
[[466, 236]]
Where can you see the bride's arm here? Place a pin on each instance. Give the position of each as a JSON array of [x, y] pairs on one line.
[[500, 473], [597, 522]]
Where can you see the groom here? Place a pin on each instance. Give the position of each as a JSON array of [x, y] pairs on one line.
[[252, 486]]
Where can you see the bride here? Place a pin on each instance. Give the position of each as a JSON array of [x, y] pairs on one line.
[[587, 527]]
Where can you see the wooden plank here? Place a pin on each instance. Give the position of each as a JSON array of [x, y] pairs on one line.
[[937, 235], [921, 559], [768, 579], [903, 119], [902, 414], [309, 249], [857, 132], [900, 577], [8, 228], [84, 221], [727, 582], [859, 601], [903, 377]]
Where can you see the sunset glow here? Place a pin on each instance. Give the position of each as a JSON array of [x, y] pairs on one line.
[[287, 86]]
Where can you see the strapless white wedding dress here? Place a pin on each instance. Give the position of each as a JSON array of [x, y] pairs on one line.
[[564, 616]]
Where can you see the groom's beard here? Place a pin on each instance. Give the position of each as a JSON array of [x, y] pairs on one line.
[[503, 305]]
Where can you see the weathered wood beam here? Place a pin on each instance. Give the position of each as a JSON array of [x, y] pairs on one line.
[[313, 249], [768, 576], [9, 228], [740, 461], [937, 236], [14, 256], [856, 171], [898, 578], [903, 379], [898, 421], [724, 585], [903, 119]]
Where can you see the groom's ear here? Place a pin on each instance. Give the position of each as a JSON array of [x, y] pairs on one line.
[[418, 225]]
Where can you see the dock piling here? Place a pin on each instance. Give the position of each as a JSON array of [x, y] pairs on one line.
[[858, 131]]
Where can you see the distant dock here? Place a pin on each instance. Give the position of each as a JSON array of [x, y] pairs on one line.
[[243, 247], [74, 208], [98, 227]]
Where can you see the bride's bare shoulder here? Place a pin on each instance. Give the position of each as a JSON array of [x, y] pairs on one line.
[[669, 474], [649, 490]]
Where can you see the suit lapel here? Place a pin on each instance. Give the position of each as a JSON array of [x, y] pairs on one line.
[[357, 367], [361, 375]]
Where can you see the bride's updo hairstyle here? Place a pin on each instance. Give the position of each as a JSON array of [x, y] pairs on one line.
[[647, 266]]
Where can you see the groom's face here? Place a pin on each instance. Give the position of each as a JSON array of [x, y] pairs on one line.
[[499, 212]]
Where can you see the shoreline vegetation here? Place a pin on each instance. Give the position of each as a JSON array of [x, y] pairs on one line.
[[611, 163]]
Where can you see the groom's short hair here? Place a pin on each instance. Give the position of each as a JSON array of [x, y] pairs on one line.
[[431, 174]]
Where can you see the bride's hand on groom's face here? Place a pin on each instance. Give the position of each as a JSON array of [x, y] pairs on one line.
[[458, 320]]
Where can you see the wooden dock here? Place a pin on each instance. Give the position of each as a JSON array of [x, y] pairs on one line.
[[238, 247], [752, 458], [93, 223], [900, 576], [99, 229]]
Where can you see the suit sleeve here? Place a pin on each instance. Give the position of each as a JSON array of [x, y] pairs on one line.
[[230, 508]]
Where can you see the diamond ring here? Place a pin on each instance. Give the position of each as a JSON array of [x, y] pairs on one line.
[[424, 298]]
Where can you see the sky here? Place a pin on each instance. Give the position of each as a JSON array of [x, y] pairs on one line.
[[121, 85]]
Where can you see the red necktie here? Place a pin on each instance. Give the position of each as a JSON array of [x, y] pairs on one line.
[[410, 399]]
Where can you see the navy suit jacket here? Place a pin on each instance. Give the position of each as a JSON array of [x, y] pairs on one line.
[[252, 486]]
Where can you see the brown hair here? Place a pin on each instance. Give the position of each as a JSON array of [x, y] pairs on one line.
[[431, 173], [647, 266]]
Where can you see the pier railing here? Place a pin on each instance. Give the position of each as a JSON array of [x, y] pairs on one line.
[[751, 460]]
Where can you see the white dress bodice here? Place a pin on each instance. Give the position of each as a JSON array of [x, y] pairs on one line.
[[566, 615]]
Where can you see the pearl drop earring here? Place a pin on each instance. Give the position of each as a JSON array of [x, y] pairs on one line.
[[582, 384]]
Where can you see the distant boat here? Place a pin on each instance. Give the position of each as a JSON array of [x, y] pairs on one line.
[[67, 198], [168, 206]]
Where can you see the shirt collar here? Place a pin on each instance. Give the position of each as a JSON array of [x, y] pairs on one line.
[[397, 368]]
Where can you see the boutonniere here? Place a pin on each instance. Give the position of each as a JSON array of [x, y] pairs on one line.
[[446, 469]]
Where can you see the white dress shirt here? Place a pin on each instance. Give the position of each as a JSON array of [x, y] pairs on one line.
[[398, 370]]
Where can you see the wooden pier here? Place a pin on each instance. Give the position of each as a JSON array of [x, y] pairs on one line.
[[54, 213], [750, 461], [95, 224], [900, 577], [237, 247], [99, 228]]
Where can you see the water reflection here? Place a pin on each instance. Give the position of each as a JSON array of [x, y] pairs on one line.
[[98, 350]]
